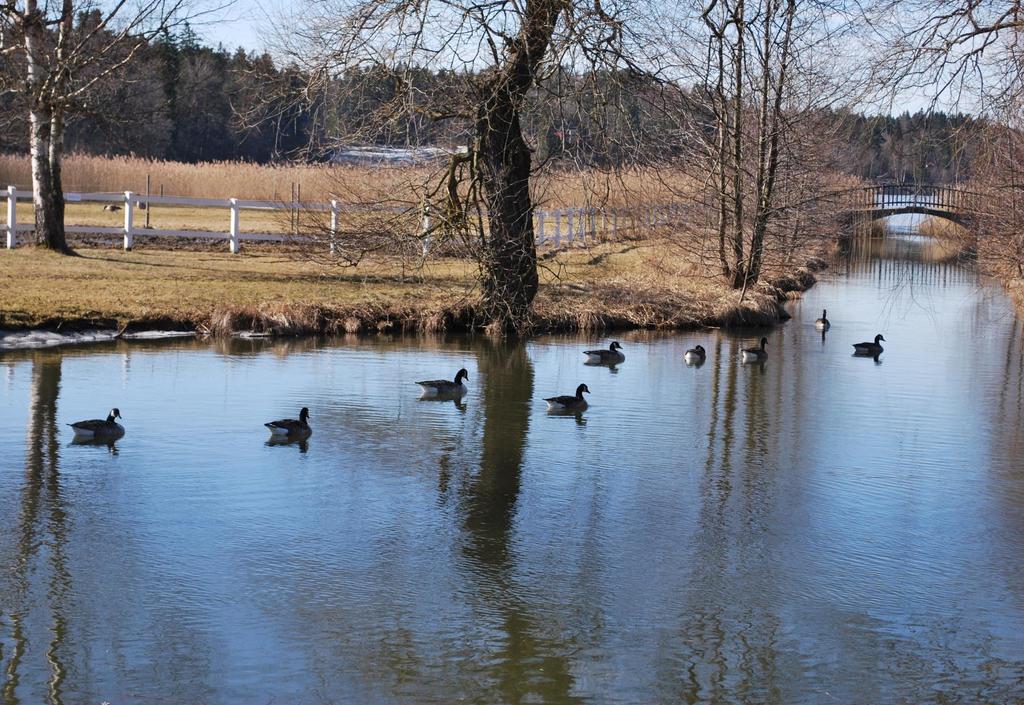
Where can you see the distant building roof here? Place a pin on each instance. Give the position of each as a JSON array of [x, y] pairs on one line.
[[394, 155]]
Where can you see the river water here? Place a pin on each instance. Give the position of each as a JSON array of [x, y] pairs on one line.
[[820, 528]]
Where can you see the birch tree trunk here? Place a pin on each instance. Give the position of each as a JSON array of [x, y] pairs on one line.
[[45, 146], [47, 196]]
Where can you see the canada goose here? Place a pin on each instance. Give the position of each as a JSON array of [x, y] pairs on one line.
[[99, 428], [869, 349], [444, 387], [823, 322], [112, 208], [755, 354], [695, 356], [569, 403], [290, 427], [611, 356]]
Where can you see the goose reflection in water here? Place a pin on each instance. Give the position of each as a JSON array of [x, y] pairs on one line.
[[612, 367], [576, 414], [758, 365], [877, 357], [301, 443], [109, 443], [458, 400]]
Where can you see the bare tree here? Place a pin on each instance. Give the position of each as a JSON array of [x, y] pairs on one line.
[[64, 49], [758, 93], [495, 53], [954, 52]]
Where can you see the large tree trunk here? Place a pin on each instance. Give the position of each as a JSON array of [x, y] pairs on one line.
[[510, 256], [503, 163]]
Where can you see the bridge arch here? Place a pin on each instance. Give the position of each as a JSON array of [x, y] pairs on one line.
[[948, 202]]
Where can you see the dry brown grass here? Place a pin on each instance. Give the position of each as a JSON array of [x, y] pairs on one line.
[[652, 282], [642, 283], [320, 183], [40, 287]]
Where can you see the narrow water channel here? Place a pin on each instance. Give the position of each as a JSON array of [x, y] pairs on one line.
[[820, 528]]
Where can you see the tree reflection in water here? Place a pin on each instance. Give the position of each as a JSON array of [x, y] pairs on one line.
[[42, 538], [529, 665]]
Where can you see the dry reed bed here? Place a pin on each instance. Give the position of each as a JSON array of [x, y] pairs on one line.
[[348, 183]]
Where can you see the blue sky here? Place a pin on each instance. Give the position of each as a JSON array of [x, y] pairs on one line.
[[251, 24], [244, 23]]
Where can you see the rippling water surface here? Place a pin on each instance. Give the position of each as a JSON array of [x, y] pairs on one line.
[[821, 528]]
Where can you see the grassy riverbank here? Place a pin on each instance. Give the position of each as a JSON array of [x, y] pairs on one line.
[[648, 283]]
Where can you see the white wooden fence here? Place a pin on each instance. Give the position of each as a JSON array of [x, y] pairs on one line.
[[555, 227]]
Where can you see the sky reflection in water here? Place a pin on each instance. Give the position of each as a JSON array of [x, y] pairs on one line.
[[816, 528]]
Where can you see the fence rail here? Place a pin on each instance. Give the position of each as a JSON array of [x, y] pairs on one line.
[[553, 227]]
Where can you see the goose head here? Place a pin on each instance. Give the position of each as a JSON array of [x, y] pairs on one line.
[[461, 375], [878, 338], [115, 413], [824, 314], [615, 346], [304, 415], [764, 341], [580, 390], [700, 349]]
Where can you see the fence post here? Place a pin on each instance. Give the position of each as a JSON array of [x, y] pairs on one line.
[[426, 229], [570, 224], [233, 235], [129, 218], [615, 222], [558, 227], [540, 227], [334, 223], [12, 217]]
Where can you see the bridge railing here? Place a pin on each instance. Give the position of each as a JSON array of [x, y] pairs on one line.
[[940, 197], [949, 198]]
